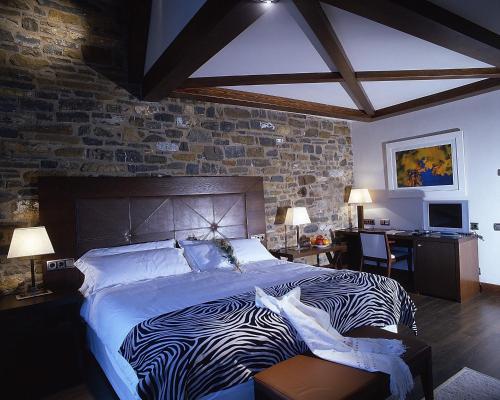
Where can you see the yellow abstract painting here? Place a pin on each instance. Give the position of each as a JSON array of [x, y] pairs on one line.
[[425, 166]]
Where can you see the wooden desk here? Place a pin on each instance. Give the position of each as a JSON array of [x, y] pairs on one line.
[[333, 253], [444, 266]]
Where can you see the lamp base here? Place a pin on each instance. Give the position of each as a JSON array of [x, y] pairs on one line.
[[33, 293]]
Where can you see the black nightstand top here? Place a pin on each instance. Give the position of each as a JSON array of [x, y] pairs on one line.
[[9, 303]]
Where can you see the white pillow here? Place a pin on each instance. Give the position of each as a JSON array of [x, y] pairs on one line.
[[107, 251], [204, 255], [115, 269], [249, 250]]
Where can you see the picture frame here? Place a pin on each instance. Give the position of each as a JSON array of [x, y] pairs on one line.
[[427, 163]]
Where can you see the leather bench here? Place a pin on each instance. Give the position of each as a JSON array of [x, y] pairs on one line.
[[306, 377]]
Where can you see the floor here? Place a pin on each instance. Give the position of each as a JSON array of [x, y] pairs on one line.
[[461, 335]]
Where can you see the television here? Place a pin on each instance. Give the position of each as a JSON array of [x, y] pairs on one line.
[[446, 216]]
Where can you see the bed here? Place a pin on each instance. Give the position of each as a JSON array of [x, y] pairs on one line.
[[86, 213]]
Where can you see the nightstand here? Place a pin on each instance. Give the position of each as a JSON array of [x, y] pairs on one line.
[[41, 344], [332, 252]]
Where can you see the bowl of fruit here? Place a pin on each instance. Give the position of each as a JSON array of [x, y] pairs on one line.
[[320, 241]]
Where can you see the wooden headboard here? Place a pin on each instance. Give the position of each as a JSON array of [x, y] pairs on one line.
[[84, 213]]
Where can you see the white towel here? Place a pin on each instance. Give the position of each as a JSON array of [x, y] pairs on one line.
[[313, 326]]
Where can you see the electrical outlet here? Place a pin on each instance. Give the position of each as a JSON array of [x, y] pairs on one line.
[[369, 221], [496, 226], [260, 236], [474, 226], [385, 222], [54, 265]]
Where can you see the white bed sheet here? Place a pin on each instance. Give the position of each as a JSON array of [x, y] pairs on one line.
[[112, 312]]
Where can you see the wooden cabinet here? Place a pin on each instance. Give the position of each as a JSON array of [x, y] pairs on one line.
[[447, 267], [41, 345], [444, 266]]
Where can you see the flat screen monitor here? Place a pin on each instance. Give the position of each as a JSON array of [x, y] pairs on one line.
[[446, 216]]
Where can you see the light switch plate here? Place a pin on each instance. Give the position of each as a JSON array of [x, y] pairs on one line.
[[260, 236], [385, 222]]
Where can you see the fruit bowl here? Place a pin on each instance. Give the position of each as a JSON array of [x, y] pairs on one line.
[[320, 241]]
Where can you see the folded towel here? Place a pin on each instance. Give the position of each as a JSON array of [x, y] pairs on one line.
[[314, 327]]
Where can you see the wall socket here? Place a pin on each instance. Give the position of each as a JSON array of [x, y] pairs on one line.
[[474, 226], [54, 265], [496, 226], [369, 221], [385, 222]]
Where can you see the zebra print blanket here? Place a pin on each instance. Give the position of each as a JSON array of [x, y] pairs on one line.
[[208, 347]]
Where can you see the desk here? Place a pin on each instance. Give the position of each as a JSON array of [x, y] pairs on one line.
[[333, 253], [444, 266]]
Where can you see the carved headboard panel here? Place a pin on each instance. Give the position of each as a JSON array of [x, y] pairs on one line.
[[85, 213]]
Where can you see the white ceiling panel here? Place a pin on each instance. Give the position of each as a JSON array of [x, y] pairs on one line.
[[385, 94], [373, 46], [326, 93], [273, 44], [485, 13]]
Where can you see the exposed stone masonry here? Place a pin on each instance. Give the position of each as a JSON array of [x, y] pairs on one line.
[[65, 110]]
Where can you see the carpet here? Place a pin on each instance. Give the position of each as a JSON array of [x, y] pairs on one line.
[[468, 384]]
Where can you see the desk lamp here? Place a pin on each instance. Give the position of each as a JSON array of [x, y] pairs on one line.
[[29, 242], [360, 197], [296, 216]]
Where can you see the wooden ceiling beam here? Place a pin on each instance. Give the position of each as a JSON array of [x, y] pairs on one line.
[[405, 75], [215, 24], [318, 28], [271, 79], [459, 93], [327, 77], [256, 100], [429, 22], [138, 17]]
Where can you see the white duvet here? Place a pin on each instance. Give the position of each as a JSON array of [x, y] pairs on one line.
[[112, 312]]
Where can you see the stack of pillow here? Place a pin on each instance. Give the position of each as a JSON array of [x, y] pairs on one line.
[[113, 266]]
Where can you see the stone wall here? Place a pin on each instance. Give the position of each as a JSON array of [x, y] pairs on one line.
[[65, 109]]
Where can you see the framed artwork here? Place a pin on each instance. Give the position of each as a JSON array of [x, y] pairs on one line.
[[428, 163]]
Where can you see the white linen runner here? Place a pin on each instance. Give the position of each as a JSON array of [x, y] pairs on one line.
[[314, 327]]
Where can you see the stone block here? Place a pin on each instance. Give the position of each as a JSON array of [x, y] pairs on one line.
[[234, 151]]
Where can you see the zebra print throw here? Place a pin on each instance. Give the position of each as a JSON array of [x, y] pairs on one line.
[[209, 347]]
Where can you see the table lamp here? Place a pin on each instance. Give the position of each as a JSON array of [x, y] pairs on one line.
[[360, 197], [29, 242], [296, 216]]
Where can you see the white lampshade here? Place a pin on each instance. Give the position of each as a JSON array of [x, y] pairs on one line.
[[359, 196], [30, 242], [297, 216]]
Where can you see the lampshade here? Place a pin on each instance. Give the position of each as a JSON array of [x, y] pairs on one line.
[[359, 196], [297, 216], [30, 242]]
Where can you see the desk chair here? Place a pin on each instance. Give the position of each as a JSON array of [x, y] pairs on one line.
[[376, 247]]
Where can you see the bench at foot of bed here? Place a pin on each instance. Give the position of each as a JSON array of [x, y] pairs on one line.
[[310, 378]]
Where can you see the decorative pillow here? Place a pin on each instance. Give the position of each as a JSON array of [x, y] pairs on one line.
[[107, 251], [249, 250], [205, 255], [115, 269]]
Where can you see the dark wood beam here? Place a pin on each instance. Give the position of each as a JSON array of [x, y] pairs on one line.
[[405, 75], [459, 93], [216, 24], [256, 100], [332, 50], [429, 22], [272, 79], [326, 77], [139, 14]]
